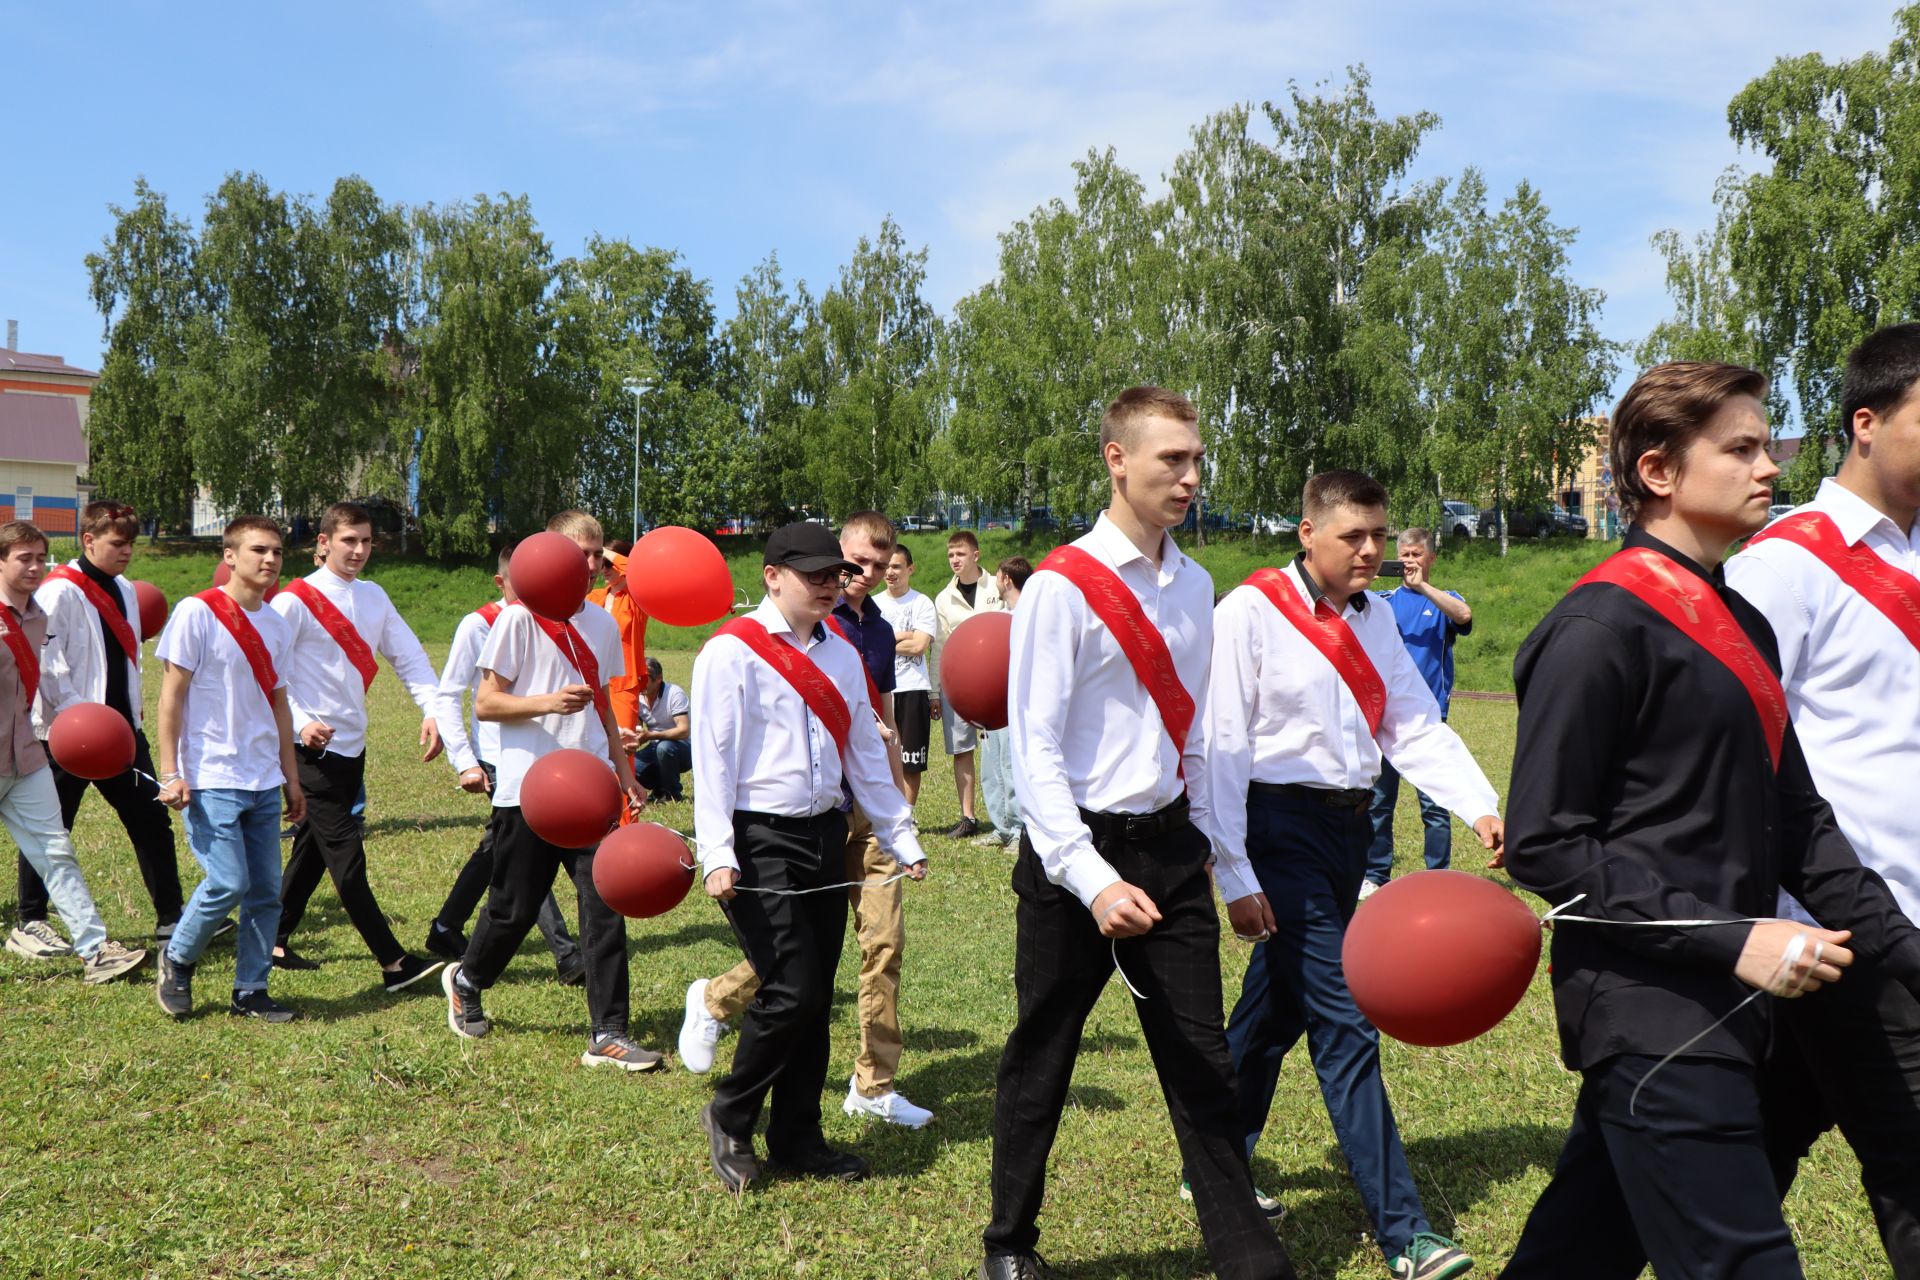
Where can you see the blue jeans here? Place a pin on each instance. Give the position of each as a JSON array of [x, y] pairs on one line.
[[659, 765], [1309, 859], [30, 809], [1437, 821], [996, 783], [235, 837]]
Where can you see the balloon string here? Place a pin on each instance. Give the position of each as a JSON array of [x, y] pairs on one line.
[[794, 893], [1112, 907]]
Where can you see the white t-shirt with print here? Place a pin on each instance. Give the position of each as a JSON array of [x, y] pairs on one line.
[[520, 653], [229, 738], [910, 612]]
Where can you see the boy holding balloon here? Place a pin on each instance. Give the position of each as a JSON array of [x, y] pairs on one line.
[[543, 680]]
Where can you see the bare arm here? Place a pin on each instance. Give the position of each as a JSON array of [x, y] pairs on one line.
[[296, 810], [173, 711], [912, 644], [492, 702]]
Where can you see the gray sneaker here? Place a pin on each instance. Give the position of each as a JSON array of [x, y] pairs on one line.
[[618, 1051], [109, 961], [173, 986], [37, 940]]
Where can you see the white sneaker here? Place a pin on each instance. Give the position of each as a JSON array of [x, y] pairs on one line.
[[699, 1031], [890, 1106], [1367, 889], [36, 940]]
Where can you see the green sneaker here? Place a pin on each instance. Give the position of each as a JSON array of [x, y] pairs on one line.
[[1274, 1210], [1429, 1257]]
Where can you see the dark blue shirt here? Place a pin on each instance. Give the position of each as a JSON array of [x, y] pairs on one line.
[[1429, 634], [873, 636]]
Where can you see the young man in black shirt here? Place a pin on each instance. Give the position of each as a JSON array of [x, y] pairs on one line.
[[1658, 780]]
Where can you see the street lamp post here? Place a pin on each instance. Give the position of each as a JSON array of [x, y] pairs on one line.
[[638, 389]]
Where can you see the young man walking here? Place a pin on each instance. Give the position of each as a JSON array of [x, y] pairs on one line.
[[786, 725], [93, 655], [1430, 620], [1658, 779], [1314, 694], [914, 622], [1839, 581], [472, 756], [338, 622], [1109, 666], [968, 592], [545, 684], [226, 750]]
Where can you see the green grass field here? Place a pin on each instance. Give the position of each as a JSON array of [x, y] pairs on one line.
[[365, 1140]]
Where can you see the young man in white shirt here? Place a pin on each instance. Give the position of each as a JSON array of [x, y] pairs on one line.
[[968, 592], [545, 684], [339, 621], [786, 727], [93, 655], [914, 624], [472, 757], [1106, 691], [1313, 692], [1839, 581], [226, 750]]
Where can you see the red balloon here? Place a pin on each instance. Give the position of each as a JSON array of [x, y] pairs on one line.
[[679, 577], [1439, 957], [569, 798], [224, 571], [91, 740], [973, 669], [549, 573], [643, 870], [153, 608]]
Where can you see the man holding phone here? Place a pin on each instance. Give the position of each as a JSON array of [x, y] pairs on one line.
[[1430, 620]]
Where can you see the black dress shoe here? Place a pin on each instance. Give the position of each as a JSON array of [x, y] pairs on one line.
[[733, 1158], [292, 960], [824, 1162], [1017, 1266], [448, 944]]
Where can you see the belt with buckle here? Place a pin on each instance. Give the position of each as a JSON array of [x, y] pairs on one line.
[[1136, 826], [1332, 797]]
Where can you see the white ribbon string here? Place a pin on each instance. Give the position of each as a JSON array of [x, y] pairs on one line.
[[794, 893], [1112, 907]]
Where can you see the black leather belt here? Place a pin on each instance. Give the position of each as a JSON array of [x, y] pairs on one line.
[[1333, 798], [1137, 826], [798, 824]]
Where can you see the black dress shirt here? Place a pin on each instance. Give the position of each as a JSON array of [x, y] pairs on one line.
[[117, 685], [1642, 779]]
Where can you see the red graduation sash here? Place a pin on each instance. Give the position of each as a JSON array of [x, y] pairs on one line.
[[24, 658], [570, 642], [244, 634], [1891, 590], [489, 613], [1330, 634], [1114, 603], [873, 690], [800, 671], [1702, 616], [103, 604], [337, 625]]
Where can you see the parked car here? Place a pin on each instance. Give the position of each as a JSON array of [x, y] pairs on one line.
[[1777, 510], [1282, 524], [1077, 523], [923, 524], [1548, 521], [1459, 519], [1039, 520]]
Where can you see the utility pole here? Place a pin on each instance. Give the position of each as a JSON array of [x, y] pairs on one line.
[[638, 389]]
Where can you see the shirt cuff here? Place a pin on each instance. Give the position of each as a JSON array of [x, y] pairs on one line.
[[1087, 875], [1235, 878], [712, 860], [463, 759], [907, 851]]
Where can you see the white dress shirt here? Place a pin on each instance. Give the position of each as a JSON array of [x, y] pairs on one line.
[[322, 685], [1085, 732], [1280, 713], [1852, 681], [458, 678], [73, 666], [757, 747]]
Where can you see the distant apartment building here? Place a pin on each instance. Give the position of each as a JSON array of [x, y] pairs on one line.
[[43, 437], [1589, 491]]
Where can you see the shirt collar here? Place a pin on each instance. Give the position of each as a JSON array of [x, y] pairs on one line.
[[1118, 548], [859, 616], [1357, 601], [1638, 537], [769, 616], [324, 576], [1855, 516]]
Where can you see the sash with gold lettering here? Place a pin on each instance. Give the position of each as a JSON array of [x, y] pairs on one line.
[[1888, 588], [1692, 605], [1330, 634], [801, 672], [103, 604], [241, 628], [340, 627]]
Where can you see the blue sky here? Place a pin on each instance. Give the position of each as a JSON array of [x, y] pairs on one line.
[[728, 130]]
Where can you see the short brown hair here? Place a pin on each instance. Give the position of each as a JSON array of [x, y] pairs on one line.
[[1131, 408], [1018, 570], [963, 537], [1664, 412], [238, 527], [343, 513], [875, 525], [575, 523], [1331, 489], [101, 517], [19, 533], [1416, 534], [506, 553]]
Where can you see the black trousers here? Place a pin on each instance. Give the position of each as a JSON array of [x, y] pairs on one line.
[[794, 946], [148, 823], [1849, 1054], [524, 867], [1061, 965], [329, 842], [1681, 1180], [471, 885]]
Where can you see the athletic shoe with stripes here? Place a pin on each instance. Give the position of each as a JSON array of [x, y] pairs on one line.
[[1429, 1257], [37, 940], [110, 960], [464, 1015], [618, 1051]]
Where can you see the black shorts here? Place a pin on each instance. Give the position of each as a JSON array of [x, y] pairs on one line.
[[913, 717]]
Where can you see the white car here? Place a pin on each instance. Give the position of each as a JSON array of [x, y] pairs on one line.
[[1462, 519], [1777, 510]]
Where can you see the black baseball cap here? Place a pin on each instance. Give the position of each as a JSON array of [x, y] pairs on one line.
[[806, 547]]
